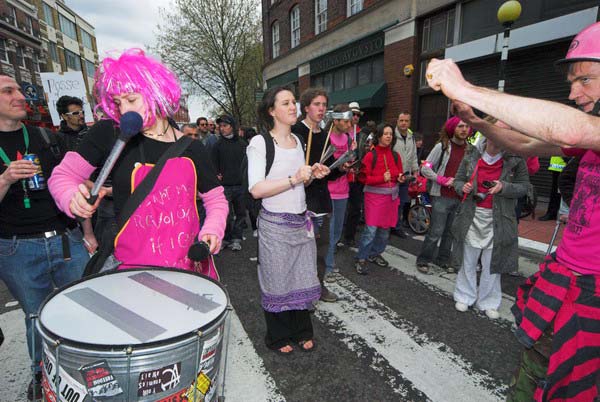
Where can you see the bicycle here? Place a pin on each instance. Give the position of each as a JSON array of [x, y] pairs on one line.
[[419, 214]]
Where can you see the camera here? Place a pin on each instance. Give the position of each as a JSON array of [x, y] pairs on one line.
[[488, 184], [409, 178]]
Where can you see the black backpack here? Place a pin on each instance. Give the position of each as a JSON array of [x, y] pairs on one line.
[[270, 155], [394, 154], [50, 139]]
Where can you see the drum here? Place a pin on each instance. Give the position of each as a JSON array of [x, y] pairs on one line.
[[134, 335]]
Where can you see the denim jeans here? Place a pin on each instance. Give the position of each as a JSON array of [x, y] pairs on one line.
[[373, 241], [404, 199], [336, 226], [442, 216], [32, 268], [317, 224], [236, 196]]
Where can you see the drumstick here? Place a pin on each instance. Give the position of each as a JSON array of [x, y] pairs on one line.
[[387, 169], [308, 145], [326, 141]]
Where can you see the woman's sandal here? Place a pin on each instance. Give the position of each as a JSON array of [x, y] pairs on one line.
[[282, 353], [305, 349]]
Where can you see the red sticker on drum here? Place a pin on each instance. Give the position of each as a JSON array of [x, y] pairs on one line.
[[176, 397], [159, 380], [99, 380]]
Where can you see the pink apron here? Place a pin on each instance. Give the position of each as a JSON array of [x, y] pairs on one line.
[[164, 226]]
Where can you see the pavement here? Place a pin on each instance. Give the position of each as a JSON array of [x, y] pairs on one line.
[[394, 335]]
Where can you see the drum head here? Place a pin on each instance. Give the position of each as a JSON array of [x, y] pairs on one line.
[[132, 307]]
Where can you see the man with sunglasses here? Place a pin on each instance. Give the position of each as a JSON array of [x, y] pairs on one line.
[[204, 132], [72, 125]]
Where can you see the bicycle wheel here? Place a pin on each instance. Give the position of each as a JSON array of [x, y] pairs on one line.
[[419, 219]]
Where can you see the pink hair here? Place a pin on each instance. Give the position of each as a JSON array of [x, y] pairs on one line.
[[134, 72]]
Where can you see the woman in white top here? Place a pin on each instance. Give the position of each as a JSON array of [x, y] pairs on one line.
[[287, 269]]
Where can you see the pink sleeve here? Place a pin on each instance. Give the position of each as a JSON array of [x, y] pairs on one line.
[[217, 208], [442, 180], [70, 173]]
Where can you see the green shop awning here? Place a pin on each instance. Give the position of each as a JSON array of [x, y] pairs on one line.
[[368, 96]]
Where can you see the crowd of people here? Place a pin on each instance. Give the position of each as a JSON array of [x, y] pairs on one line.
[[297, 171]]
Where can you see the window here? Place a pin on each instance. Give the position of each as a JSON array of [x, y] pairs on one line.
[[350, 78], [29, 25], [275, 39], [354, 6], [53, 52], [3, 52], [295, 26], [377, 70], [364, 72], [338, 80], [86, 39], [90, 68], [12, 17], [438, 31], [20, 58], [48, 16], [36, 62], [67, 27], [73, 60], [320, 16]]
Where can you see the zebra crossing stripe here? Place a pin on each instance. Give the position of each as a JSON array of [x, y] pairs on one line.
[[430, 367]]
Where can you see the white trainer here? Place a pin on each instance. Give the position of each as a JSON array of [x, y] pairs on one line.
[[492, 314], [462, 307]]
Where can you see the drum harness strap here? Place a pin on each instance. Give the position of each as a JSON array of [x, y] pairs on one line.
[[133, 202]]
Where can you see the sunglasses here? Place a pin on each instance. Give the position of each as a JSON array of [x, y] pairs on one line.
[[204, 124], [75, 113], [356, 114]]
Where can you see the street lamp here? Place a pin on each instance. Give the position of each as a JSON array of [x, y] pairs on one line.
[[508, 13]]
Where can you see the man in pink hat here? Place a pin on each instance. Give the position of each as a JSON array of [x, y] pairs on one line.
[[563, 298]]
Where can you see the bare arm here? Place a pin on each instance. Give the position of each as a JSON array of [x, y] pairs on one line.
[[511, 140], [550, 122]]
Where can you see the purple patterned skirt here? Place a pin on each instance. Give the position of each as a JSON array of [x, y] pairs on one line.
[[287, 254]]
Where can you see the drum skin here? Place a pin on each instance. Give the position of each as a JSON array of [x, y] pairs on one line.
[[144, 334]]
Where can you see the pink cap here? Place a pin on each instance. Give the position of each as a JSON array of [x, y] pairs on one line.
[[585, 46]]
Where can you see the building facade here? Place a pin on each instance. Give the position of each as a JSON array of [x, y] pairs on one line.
[[376, 51], [68, 40]]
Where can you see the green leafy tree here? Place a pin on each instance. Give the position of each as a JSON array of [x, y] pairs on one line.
[[215, 47]]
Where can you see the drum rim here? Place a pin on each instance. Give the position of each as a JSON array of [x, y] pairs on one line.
[[95, 346]]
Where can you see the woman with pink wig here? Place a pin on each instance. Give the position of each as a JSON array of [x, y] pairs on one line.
[[166, 223]]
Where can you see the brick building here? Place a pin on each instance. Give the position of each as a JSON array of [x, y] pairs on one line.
[[376, 51]]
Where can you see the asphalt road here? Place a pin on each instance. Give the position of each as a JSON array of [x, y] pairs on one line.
[[394, 335]]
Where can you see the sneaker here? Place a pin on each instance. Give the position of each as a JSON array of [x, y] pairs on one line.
[[492, 314], [361, 268], [340, 244], [379, 260], [235, 246], [399, 232], [329, 277], [253, 259], [35, 387], [327, 295], [462, 307], [335, 270], [423, 267], [450, 270], [255, 233]]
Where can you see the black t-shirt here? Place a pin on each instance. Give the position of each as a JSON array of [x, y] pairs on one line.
[[43, 216], [98, 142]]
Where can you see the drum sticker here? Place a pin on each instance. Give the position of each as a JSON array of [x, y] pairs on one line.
[[179, 396], [205, 389], [159, 380], [69, 390], [209, 351], [100, 381]]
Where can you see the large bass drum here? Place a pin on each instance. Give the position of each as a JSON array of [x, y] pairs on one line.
[[134, 335]]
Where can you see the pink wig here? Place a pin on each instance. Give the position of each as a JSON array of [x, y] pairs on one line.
[[134, 72]]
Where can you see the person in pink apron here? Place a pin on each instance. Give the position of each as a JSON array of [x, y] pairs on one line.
[[381, 171], [165, 225]]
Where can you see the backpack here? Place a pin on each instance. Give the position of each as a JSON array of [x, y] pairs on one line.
[[270, 156], [394, 154], [50, 139]]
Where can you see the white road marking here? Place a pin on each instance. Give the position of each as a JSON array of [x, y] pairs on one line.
[[246, 377], [432, 367]]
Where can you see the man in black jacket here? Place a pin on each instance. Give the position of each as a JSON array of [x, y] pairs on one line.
[[228, 154]]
